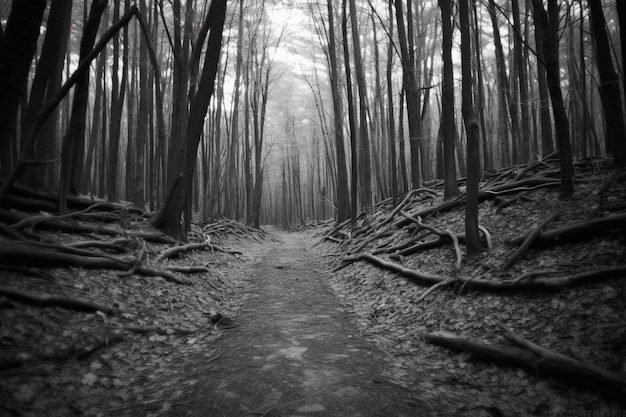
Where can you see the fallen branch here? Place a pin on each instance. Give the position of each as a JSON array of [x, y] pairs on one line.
[[521, 251], [49, 300]]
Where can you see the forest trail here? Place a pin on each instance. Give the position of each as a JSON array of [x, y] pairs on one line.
[[295, 351]]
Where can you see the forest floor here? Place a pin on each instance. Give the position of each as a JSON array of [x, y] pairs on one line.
[[277, 330]]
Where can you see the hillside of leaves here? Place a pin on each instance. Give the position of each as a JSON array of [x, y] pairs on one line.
[[538, 322], [99, 309]]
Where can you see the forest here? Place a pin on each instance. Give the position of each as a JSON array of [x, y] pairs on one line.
[[137, 137], [276, 112]]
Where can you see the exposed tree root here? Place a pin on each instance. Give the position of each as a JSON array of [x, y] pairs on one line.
[[521, 251], [578, 232], [443, 234], [536, 283], [12, 253], [535, 358], [188, 269], [177, 250], [61, 226], [50, 300]]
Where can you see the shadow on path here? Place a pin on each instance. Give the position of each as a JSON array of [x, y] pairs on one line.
[[296, 351]]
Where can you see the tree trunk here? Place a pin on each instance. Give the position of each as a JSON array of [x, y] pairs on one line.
[[168, 218], [615, 135], [411, 95], [365, 170], [45, 83], [548, 33], [391, 117], [73, 148], [525, 139], [354, 157], [472, 240], [547, 139], [343, 196], [17, 48], [448, 124], [504, 121]]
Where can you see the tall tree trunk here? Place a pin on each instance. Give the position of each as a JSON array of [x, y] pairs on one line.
[[45, 83], [365, 171], [168, 218], [548, 33], [391, 117], [411, 95], [503, 90], [231, 186], [73, 148], [17, 48], [480, 94], [472, 240], [547, 139], [615, 135], [343, 196], [354, 157], [448, 124], [521, 82]]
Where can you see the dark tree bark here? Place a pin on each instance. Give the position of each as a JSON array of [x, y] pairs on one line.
[[17, 48], [448, 124], [411, 95], [390, 115], [525, 139], [365, 170], [621, 17], [547, 139], [168, 218], [504, 115], [615, 131], [73, 148], [472, 240], [45, 83], [343, 196], [354, 157], [549, 56]]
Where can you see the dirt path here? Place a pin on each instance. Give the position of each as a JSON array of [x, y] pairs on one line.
[[296, 351]]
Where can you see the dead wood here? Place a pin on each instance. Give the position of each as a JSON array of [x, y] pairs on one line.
[[535, 358], [578, 232], [521, 251], [538, 283], [12, 253], [53, 300], [177, 250]]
